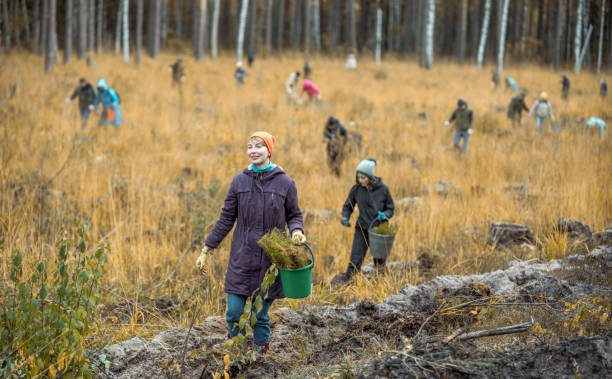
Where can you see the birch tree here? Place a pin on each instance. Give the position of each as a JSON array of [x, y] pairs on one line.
[[68, 32], [379, 15], [126, 31], [502, 37], [241, 27], [429, 34], [214, 39], [483, 33], [578, 36], [601, 32], [139, 19]]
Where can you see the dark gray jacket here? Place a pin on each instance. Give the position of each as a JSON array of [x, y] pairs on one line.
[[370, 201]]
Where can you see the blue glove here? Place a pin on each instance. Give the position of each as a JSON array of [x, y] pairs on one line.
[[382, 216], [345, 222]]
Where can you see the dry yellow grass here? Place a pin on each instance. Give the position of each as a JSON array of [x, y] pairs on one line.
[[131, 187]]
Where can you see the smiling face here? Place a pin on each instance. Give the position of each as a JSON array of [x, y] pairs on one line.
[[258, 152], [362, 179]]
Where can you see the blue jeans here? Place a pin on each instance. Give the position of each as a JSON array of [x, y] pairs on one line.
[[540, 120], [466, 137], [84, 117], [235, 305]]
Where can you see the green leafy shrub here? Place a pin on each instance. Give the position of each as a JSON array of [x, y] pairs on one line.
[[283, 252], [385, 229], [44, 319]]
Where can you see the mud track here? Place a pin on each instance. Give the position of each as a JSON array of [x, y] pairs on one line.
[[315, 340]]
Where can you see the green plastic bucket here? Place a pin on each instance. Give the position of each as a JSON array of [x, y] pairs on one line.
[[297, 283], [380, 244]]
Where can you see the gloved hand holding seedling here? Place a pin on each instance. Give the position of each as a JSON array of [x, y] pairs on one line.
[[298, 237], [201, 261]]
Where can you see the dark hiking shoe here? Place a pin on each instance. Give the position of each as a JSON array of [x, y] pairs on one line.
[[340, 279], [262, 348]]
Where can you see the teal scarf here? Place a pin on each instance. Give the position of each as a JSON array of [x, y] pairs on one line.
[[269, 168]]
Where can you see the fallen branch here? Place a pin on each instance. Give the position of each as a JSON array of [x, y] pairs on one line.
[[459, 335], [518, 328], [426, 321]]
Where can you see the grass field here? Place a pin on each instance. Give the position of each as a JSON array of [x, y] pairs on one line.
[[151, 187]]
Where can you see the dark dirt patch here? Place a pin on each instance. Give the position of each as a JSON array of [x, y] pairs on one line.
[[579, 357]]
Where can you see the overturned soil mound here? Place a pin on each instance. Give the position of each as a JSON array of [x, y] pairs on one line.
[[315, 340]]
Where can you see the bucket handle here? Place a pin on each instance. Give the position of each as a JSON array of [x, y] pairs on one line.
[[373, 221], [310, 251]]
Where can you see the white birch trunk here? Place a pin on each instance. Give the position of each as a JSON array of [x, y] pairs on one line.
[[379, 15], [483, 33], [584, 48], [578, 36], [241, 27], [502, 38], [601, 32], [316, 27], [126, 31], [215, 31], [429, 34]]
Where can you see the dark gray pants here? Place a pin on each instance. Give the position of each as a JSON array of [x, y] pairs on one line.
[[361, 242]]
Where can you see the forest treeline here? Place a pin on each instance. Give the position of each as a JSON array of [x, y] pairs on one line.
[[560, 33]]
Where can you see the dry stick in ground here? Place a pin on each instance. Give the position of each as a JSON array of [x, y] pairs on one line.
[[426, 321], [518, 328]]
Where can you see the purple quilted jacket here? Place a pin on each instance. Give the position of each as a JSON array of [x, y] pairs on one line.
[[258, 202]]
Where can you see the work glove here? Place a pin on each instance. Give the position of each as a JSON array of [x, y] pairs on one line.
[[298, 237], [201, 261], [382, 216], [345, 222], [470, 131], [91, 107], [67, 99], [447, 123]]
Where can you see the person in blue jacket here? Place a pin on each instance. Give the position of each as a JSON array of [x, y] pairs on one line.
[[110, 103]]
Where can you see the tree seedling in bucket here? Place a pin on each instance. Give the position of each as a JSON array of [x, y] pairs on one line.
[[282, 251], [385, 229]]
